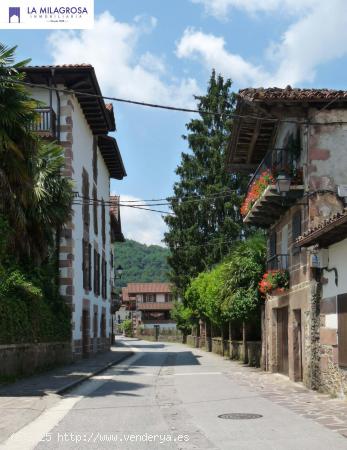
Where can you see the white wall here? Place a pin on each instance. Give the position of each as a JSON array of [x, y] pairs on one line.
[[83, 158]]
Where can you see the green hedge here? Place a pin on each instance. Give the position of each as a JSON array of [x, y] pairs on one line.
[[27, 315]]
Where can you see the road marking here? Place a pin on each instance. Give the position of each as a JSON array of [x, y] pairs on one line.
[[32, 434]]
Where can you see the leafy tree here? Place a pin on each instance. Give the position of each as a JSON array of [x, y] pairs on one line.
[[35, 197], [141, 263], [201, 231], [242, 272]]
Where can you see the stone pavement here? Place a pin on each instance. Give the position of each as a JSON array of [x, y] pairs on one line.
[[22, 401], [327, 411]]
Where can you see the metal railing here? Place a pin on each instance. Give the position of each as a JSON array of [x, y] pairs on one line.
[[277, 262], [278, 160], [45, 123]]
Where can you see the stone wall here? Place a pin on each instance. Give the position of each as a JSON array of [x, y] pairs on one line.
[[27, 359]]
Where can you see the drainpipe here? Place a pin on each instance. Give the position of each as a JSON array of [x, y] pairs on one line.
[[58, 231]]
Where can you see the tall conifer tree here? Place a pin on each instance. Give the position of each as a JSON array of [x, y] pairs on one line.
[[206, 199]]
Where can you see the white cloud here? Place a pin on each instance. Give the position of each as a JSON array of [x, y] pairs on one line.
[[221, 8], [111, 47], [143, 226], [317, 36]]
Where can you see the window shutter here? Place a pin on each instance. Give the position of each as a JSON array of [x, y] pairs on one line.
[[272, 244], [296, 231], [105, 279], [342, 328], [95, 272], [89, 267]]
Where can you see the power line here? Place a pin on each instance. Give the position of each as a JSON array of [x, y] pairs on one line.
[[133, 102], [180, 109], [129, 206]]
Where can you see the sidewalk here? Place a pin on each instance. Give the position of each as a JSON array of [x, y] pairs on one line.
[[22, 401]]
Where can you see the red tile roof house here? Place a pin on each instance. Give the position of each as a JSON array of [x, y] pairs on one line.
[[292, 143], [80, 122], [151, 304]]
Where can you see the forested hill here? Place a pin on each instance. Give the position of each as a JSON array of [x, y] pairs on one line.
[[141, 263]]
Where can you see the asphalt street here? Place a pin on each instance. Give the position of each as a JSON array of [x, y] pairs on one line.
[[169, 396]]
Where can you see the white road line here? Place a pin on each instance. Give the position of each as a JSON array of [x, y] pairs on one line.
[[32, 434]]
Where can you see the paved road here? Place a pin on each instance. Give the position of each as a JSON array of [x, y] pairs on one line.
[[168, 396]]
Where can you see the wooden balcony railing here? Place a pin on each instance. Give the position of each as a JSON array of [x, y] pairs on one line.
[[45, 124]]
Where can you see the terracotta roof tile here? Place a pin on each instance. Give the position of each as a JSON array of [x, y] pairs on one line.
[[292, 94], [148, 288]]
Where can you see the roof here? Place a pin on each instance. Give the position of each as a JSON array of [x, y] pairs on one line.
[[292, 94], [116, 226], [149, 288], [110, 152], [332, 230], [81, 78], [125, 295], [256, 123]]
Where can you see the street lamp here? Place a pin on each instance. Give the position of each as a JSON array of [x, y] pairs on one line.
[[283, 183], [119, 272]]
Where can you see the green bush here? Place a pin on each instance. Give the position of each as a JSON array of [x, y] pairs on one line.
[[26, 315], [127, 327]]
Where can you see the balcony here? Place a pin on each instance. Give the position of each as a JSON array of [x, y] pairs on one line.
[[277, 262], [45, 125], [154, 306], [263, 204]]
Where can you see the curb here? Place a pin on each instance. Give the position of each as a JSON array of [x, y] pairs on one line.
[[92, 374]]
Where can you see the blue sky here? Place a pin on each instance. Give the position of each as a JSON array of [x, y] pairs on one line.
[[163, 52]]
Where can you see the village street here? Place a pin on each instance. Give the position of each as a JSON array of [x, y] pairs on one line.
[[176, 392]]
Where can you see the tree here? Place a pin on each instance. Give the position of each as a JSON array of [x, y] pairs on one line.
[[35, 198], [206, 203]]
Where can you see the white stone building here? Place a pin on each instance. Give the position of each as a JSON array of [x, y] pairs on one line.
[[80, 122]]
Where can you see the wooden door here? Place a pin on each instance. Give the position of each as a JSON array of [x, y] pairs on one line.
[[342, 329], [85, 333], [282, 340], [297, 345]]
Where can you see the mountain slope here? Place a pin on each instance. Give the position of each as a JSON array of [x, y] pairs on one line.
[[141, 263]]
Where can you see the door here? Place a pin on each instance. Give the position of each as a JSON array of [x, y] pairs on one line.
[[282, 340], [85, 333], [297, 345]]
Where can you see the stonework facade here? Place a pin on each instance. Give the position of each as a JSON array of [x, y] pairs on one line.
[[303, 325]]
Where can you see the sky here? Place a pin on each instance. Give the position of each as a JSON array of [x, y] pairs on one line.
[[163, 51]]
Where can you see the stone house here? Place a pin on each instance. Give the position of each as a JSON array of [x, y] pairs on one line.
[[81, 123], [150, 304], [292, 143]]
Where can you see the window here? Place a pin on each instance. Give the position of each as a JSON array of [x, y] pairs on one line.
[[95, 324], [103, 222], [272, 244], [85, 264], [95, 209], [96, 273], [149, 298], [89, 267], [104, 278], [168, 298], [103, 325], [342, 328], [296, 231], [85, 199]]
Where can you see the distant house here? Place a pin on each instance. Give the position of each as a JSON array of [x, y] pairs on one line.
[[80, 123], [150, 304]]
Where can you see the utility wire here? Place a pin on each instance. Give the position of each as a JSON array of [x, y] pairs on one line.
[[180, 109]]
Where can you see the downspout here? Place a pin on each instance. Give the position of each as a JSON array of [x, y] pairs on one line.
[[58, 231]]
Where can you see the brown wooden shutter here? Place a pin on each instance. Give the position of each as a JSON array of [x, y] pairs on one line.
[[95, 272], [272, 244], [296, 231], [105, 279], [85, 263], [103, 222], [90, 267], [98, 275], [95, 209], [85, 199], [342, 329]]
